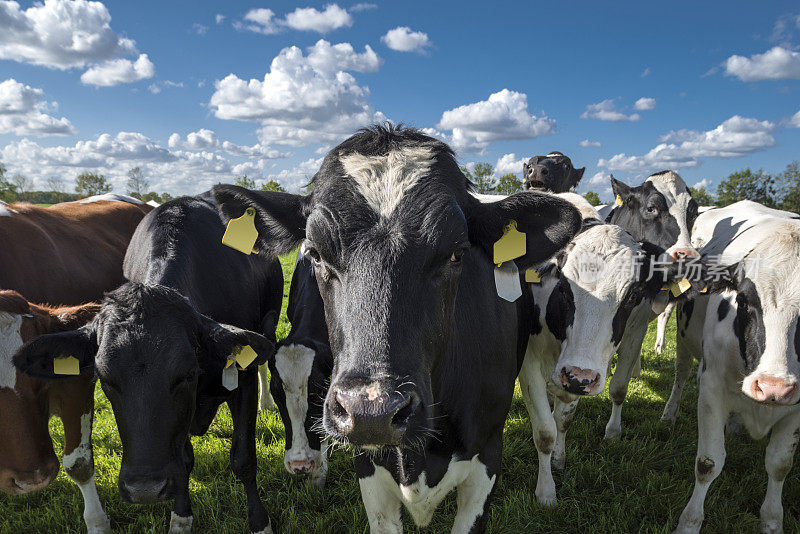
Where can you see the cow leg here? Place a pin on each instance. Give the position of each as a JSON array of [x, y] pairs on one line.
[[683, 368], [628, 354], [381, 503], [182, 517], [320, 474], [563, 413], [475, 495], [661, 327], [534, 393], [244, 407], [265, 401], [778, 460], [711, 417], [78, 460]]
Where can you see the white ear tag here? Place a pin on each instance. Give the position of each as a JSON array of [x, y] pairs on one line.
[[506, 279], [230, 375]]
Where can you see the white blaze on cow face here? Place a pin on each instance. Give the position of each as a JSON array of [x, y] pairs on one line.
[[294, 363], [384, 180], [10, 342], [677, 195]]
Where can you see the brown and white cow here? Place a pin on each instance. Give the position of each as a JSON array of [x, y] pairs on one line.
[[67, 254]]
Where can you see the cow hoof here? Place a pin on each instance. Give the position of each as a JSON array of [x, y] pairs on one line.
[[547, 500], [657, 348], [612, 433], [558, 462], [774, 526], [669, 415], [180, 525], [267, 406], [267, 530], [98, 525]]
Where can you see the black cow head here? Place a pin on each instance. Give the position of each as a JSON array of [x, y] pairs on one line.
[[553, 172], [153, 353], [661, 212], [391, 228]]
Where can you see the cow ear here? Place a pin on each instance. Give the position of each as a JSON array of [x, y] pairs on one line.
[[219, 341], [547, 221], [575, 177], [71, 318], [620, 189], [280, 217], [35, 358]]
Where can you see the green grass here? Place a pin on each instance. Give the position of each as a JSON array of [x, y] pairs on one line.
[[639, 483]]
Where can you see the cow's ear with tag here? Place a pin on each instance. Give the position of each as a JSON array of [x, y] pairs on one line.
[[221, 341], [56, 356], [279, 218], [575, 177], [547, 221], [622, 192]]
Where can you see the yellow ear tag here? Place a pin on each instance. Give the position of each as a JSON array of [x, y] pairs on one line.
[[511, 245], [68, 365], [680, 287], [618, 201], [241, 233], [532, 276], [245, 356], [705, 289]]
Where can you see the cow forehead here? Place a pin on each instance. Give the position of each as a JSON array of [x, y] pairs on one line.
[[384, 180], [672, 187], [774, 270], [293, 364], [601, 260], [10, 341]]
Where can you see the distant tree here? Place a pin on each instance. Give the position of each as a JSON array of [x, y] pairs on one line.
[[272, 185], [747, 185], [89, 184], [137, 183], [160, 198], [244, 181], [482, 177], [592, 197], [508, 184], [701, 196], [56, 184], [23, 186], [8, 191], [789, 181]]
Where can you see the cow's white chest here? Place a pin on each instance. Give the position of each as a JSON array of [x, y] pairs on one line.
[[10, 341]]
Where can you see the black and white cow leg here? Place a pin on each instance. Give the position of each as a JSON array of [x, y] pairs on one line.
[[380, 498], [265, 402], [628, 354], [475, 493], [563, 413], [181, 519], [243, 406], [320, 474], [711, 416], [688, 344], [534, 393], [778, 460], [661, 328]]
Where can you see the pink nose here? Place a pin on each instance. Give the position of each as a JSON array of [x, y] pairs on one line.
[[773, 390], [579, 381], [683, 253], [298, 467]]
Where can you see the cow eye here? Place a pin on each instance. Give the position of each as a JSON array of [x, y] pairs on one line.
[[456, 257], [652, 210], [313, 254]]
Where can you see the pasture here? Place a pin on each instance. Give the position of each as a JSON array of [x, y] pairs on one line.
[[639, 483]]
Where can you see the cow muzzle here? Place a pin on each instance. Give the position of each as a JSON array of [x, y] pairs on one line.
[[370, 415], [21, 483], [144, 490], [679, 254], [773, 390], [580, 381]]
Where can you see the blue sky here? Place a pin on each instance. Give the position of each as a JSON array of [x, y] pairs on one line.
[[705, 88]]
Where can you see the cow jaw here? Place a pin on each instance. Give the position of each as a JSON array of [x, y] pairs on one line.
[[10, 341]]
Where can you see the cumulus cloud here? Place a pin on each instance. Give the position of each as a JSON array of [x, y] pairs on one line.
[[205, 139], [736, 136], [22, 112], [607, 111], [509, 164], [199, 29], [587, 143], [704, 183], [503, 116], [219, 18], [795, 120], [65, 34], [779, 63], [364, 6], [645, 104], [157, 87], [298, 177], [403, 39], [117, 71], [600, 178], [303, 99], [263, 20]]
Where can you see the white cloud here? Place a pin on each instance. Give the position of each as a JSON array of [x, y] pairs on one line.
[[645, 104], [298, 177], [157, 87], [600, 178], [199, 29], [219, 18], [704, 183], [502, 117], [795, 120], [117, 71], [303, 99], [331, 18], [587, 143], [646, 72], [509, 163], [403, 39], [22, 112], [776, 64], [205, 139], [262, 20], [736, 136], [607, 111], [364, 6]]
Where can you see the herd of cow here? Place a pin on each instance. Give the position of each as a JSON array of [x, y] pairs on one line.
[[408, 331]]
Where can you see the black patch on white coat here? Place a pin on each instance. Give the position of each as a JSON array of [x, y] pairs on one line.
[[560, 312], [749, 324]]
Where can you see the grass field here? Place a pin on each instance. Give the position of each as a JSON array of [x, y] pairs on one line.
[[639, 483]]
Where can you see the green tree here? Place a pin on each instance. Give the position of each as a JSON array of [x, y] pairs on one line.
[[23, 186], [137, 183], [790, 187], [747, 185], [508, 184], [244, 181], [272, 185], [592, 197], [701, 196], [8, 191], [89, 184], [481, 177]]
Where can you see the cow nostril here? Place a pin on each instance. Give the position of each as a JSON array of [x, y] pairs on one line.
[[405, 411]]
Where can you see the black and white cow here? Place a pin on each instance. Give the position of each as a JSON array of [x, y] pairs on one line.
[[159, 352], [553, 172], [594, 299], [425, 352], [300, 376], [748, 332]]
